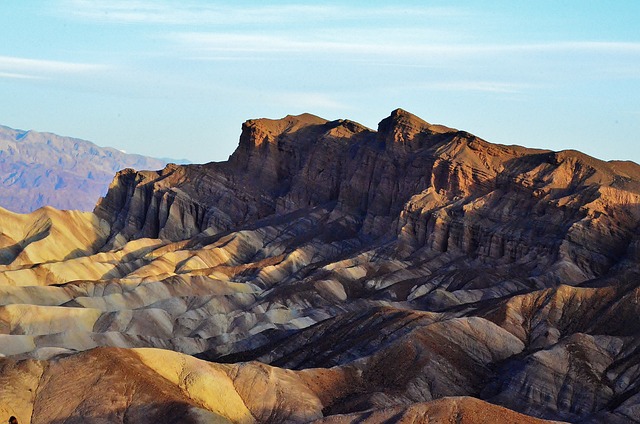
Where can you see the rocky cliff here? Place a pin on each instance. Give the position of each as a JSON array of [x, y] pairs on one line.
[[555, 216], [410, 273]]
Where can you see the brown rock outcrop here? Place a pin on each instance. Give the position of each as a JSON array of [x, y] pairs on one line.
[[434, 189], [461, 410], [148, 385]]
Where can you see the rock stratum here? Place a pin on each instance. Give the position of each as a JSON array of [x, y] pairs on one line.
[[43, 169], [331, 273]]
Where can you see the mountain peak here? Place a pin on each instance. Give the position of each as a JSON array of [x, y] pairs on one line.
[[405, 130], [400, 113], [402, 117], [288, 124]]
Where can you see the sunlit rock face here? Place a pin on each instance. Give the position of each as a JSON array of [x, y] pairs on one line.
[[414, 271]]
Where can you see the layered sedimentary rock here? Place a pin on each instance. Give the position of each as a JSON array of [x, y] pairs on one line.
[[148, 385], [414, 271], [462, 410]]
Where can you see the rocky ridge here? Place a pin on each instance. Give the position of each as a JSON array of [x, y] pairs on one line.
[[348, 256]]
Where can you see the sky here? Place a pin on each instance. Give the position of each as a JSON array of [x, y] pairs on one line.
[[176, 79]]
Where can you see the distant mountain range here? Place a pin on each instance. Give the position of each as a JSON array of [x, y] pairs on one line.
[[43, 169]]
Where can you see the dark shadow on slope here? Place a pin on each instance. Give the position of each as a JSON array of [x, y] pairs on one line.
[[37, 232], [150, 413]]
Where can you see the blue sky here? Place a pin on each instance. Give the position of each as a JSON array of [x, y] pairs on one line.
[[177, 79]]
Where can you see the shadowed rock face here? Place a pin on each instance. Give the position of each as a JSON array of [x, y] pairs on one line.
[[463, 410], [380, 275], [543, 217]]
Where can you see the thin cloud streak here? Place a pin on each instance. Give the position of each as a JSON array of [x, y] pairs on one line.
[[28, 67], [307, 100], [12, 75], [479, 86], [247, 43], [190, 13], [187, 13]]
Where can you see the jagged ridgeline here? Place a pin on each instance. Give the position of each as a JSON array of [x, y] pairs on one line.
[[412, 272]]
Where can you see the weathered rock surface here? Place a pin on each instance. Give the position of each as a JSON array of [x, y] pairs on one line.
[[149, 385], [44, 169], [462, 410], [539, 216], [415, 271]]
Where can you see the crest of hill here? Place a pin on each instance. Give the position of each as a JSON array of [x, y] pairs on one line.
[[289, 123]]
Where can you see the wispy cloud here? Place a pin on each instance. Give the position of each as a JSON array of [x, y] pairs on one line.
[[230, 31], [13, 75], [307, 100], [137, 12], [479, 86], [256, 43], [249, 43], [585, 46], [198, 13], [25, 68]]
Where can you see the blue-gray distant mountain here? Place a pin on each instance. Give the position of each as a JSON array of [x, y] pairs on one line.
[[39, 169]]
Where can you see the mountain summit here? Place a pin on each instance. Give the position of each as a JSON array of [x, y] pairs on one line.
[[332, 272]]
